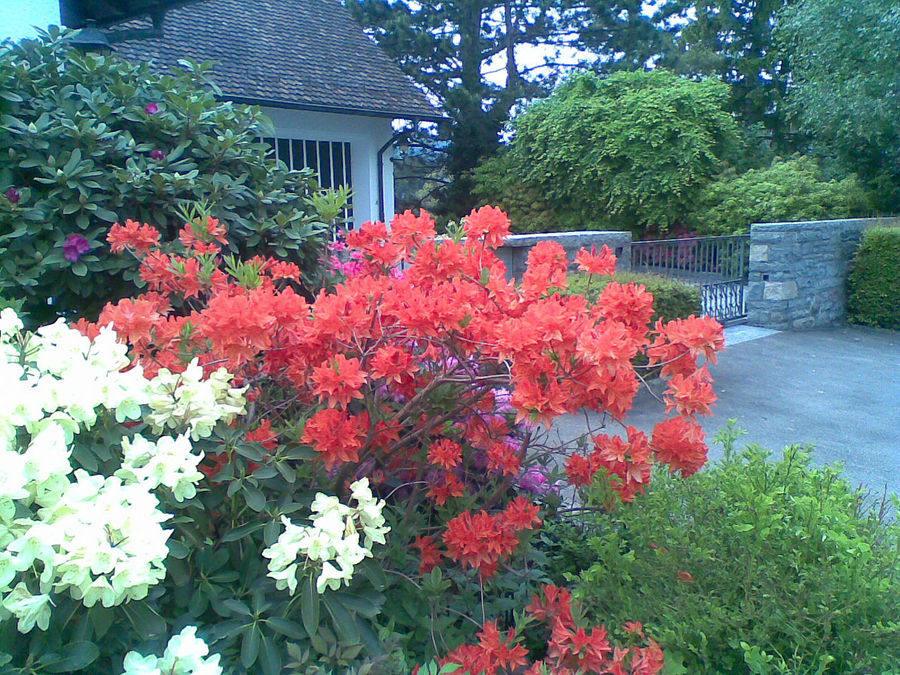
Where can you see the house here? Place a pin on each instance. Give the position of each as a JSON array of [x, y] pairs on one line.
[[330, 91]]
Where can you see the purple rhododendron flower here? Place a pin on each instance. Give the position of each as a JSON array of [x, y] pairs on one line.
[[75, 247], [151, 108], [534, 480], [158, 155], [12, 195]]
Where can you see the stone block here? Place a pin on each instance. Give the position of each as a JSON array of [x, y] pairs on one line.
[[780, 290], [759, 253]]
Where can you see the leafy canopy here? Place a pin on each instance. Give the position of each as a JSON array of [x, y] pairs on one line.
[[846, 84], [628, 151], [789, 190], [468, 55]]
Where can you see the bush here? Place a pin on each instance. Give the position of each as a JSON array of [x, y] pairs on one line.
[[497, 181], [672, 299], [874, 280], [89, 140], [376, 503], [629, 151], [768, 566], [789, 190]]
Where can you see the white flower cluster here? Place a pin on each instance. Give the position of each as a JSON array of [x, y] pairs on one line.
[[333, 539], [185, 655], [188, 401], [99, 538], [169, 462]]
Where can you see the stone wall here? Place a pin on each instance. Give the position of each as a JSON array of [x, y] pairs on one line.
[[798, 271], [514, 251]]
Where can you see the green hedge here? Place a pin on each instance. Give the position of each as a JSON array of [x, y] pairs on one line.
[[672, 299], [750, 566], [874, 280]]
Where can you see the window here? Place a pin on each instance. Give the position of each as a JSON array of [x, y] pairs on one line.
[[329, 159]]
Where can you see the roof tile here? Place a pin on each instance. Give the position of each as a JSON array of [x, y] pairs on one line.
[[293, 53]]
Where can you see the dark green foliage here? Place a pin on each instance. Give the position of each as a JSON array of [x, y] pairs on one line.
[[845, 86], [81, 150], [630, 151], [497, 182], [732, 40], [753, 566], [672, 299], [789, 190], [874, 280], [449, 48]]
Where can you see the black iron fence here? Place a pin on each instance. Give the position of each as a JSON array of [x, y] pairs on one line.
[[718, 265]]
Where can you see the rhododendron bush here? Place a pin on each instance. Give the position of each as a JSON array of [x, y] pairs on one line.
[[404, 414]]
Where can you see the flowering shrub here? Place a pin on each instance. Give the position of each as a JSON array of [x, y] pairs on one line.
[[426, 377], [81, 524], [128, 142], [571, 646]]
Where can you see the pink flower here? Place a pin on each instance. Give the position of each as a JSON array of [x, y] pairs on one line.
[[158, 155], [151, 108], [75, 247]]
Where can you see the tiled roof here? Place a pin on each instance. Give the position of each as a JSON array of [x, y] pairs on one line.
[[307, 54]]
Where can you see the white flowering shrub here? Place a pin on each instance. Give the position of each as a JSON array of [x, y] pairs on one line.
[[186, 654], [131, 507], [80, 509], [332, 544]]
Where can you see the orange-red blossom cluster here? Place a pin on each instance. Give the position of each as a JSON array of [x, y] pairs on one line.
[[571, 649], [374, 358]]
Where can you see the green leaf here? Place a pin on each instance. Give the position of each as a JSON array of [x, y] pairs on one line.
[[309, 606], [177, 549], [255, 499], [106, 215], [251, 451], [250, 646], [270, 657], [286, 628], [72, 657], [343, 620], [79, 269], [286, 472], [242, 531], [237, 606], [368, 607], [145, 621], [265, 472], [102, 619]]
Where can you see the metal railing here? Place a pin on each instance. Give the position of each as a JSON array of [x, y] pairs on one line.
[[719, 265], [694, 259]]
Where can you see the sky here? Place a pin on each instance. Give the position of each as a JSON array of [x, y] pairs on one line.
[[18, 17]]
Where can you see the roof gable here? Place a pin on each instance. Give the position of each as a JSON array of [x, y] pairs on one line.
[[307, 54]]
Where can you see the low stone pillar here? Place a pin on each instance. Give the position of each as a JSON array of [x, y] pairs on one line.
[[798, 271], [514, 251]]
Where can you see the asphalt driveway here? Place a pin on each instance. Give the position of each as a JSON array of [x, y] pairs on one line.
[[835, 389]]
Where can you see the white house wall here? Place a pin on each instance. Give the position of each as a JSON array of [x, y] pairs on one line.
[[365, 135]]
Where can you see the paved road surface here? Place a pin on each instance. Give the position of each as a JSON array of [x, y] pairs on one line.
[[836, 389]]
